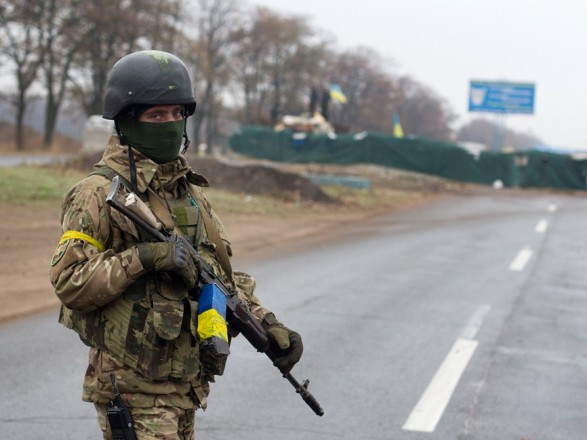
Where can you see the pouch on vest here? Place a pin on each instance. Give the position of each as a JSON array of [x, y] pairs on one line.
[[188, 221], [212, 329]]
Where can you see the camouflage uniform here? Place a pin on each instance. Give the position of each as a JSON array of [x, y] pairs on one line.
[[140, 325]]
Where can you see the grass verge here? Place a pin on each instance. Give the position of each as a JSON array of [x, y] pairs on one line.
[[39, 185], [35, 184]]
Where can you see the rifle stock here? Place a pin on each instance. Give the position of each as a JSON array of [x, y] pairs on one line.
[[238, 315]]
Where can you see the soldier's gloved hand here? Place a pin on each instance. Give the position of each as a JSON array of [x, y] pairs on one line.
[[170, 257], [285, 343]]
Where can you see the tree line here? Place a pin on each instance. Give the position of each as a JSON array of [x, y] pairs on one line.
[[247, 62]]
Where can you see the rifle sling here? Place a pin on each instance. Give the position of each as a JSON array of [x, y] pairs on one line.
[[160, 209], [214, 236], [162, 213]]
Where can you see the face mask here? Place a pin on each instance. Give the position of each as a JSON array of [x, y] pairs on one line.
[[160, 142]]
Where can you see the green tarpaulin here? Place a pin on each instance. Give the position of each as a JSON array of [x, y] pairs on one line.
[[523, 169]]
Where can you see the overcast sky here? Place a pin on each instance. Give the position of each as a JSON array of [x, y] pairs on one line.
[[446, 43]]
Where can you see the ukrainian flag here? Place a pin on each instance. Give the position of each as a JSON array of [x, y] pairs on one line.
[[336, 93], [397, 127], [212, 313]]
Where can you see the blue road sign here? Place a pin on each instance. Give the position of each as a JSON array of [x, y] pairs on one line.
[[501, 97]]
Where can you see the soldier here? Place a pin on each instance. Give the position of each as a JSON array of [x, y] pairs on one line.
[[129, 299]]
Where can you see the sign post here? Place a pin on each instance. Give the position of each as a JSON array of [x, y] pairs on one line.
[[501, 98]]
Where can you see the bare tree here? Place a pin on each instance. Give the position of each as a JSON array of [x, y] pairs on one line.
[[271, 58], [106, 41], [370, 89], [423, 113], [21, 37], [486, 132], [64, 35], [138, 24], [160, 21], [211, 54], [248, 65], [277, 57], [285, 38], [308, 61]]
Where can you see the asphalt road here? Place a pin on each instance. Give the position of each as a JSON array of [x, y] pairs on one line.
[[462, 319]]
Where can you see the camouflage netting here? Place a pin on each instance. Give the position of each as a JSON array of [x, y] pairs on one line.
[[520, 169]]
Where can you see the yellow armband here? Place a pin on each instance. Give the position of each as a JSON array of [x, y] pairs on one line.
[[76, 235]]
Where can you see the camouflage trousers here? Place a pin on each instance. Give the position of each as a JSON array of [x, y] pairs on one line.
[[157, 423]]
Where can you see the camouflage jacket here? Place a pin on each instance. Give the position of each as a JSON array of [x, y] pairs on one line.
[[145, 322]]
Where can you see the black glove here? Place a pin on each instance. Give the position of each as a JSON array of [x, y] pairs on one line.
[[170, 257], [284, 343]]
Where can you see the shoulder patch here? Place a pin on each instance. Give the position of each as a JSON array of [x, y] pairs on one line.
[[59, 252]]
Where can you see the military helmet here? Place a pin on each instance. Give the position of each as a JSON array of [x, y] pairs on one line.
[[147, 78]]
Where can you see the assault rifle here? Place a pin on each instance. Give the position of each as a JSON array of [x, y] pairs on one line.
[[238, 315]]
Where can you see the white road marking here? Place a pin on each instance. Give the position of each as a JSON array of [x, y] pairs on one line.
[[541, 226], [429, 409], [552, 208], [475, 323], [521, 259], [433, 402]]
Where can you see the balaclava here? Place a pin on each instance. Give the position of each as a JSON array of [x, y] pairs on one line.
[[160, 142]]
